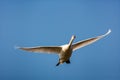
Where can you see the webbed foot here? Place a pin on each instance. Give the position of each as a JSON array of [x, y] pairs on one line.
[[68, 61]]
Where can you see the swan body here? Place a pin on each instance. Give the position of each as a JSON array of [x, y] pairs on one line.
[[64, 51]]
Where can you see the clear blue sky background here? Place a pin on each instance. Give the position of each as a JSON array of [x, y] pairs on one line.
[[52, 22]]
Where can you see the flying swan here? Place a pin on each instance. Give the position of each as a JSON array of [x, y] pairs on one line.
[[64, 51]]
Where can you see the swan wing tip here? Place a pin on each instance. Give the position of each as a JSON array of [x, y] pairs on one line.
[[109, 31], [16, 47]]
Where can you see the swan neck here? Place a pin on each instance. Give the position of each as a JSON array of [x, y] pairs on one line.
[[71, 40]]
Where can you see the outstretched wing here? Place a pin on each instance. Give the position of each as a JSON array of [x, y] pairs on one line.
[[51, 49], [88, 41]]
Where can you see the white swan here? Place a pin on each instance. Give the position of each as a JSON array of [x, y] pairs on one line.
[[64, 51]]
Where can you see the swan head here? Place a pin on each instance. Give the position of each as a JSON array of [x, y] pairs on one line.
[[73, 37]]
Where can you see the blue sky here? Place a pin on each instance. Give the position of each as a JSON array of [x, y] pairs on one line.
[[52, 22]]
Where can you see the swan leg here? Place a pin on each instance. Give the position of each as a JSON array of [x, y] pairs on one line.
[[68, 61], [58, 64]]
